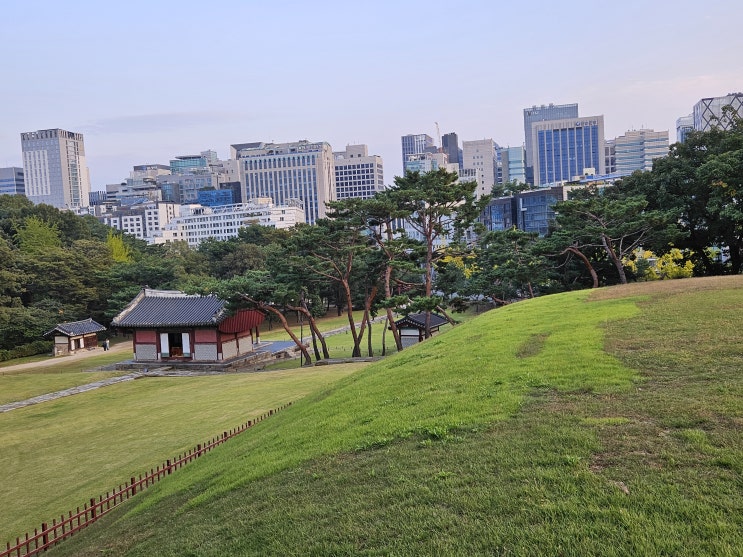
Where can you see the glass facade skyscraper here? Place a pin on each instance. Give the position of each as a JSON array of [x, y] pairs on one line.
[[450, 146], [684, 125], [540, 114], [415, 144], [564, 149], [11, 181]]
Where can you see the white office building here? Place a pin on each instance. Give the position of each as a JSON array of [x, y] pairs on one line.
[[357, 174], [481, 156], [196, 223], [637, 149], [54, 167], [301, 170]]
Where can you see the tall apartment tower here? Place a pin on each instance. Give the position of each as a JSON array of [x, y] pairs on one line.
[[415, 144], [301, 170], [708, 113], [540, 114], [450, 146], [565, 149], [357, 174], [54, 168], [637, 149], [481, 155], [11, 181]]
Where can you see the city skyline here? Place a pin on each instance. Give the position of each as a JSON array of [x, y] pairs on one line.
[[149, 81]]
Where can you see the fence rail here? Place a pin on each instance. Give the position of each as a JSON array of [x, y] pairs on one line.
[[58, 530]]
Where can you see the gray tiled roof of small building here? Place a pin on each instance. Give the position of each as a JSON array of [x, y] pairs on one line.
[[419, 320], [77, 328], [168, 308]]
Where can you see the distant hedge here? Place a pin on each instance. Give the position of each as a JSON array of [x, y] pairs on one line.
[[36, 347]]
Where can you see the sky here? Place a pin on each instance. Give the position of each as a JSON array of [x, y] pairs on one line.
[[145, 81]]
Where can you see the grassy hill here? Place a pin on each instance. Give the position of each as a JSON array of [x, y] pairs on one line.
[[606, 422]]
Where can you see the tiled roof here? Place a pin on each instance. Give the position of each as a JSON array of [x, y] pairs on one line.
[[419, 320], [170, 308], [77, 328]]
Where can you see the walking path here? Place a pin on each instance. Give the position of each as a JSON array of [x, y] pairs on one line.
[[68, 392], [80, 355]]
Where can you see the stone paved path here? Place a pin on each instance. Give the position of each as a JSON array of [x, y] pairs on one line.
[[68, 392]]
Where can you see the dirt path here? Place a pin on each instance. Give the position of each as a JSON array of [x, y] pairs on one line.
[[123, 347]]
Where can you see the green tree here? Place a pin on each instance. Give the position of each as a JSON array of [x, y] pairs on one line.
[[612, 224], [436, 206], [700, 182], [377, 216], [507, 266], [37, 236], [328, 251], [120, 252], [257, 290]]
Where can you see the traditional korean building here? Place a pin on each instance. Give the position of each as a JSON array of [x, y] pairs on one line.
[[170, 326], [412, 327], [75, 335]]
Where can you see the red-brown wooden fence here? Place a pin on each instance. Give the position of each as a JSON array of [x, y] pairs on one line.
[[58, 530]]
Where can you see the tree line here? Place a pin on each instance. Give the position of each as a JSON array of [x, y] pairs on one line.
[[684, 217]]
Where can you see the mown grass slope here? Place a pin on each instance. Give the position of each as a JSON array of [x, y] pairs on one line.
[[585, 423]]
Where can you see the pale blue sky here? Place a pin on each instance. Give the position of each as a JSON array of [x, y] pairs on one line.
[[147, 80]]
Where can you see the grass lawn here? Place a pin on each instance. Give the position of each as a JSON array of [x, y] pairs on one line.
[[587, 423], [55, 456], [65, 373]]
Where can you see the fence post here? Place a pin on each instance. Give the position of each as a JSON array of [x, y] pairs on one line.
[[44, 534], [92, 508], [168, 463], [134, 486]]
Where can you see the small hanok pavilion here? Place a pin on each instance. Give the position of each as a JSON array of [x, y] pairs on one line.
[[75, 335]]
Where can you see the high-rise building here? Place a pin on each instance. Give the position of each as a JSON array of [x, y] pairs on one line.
[[482, 156], [637, 149], [684, 125], [610, 156], [540, 114], [568, 148], [450, 146], [300, 170], [54, 167], [357, 174], [11, 181], [415, 144], [531, 211], [709, 113], [426, 162], [513, 160]]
